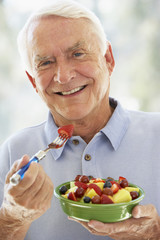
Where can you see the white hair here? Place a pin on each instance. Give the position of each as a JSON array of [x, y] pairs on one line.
[[62, 8]]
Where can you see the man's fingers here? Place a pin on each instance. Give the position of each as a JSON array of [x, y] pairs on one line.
[[24, 160], [28, 180], [106, 228], [144, 211], [16, 166]]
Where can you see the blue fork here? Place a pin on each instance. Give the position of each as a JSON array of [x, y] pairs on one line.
[[57, 143]]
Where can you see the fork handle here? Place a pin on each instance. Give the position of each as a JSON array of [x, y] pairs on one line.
[[18, 176]]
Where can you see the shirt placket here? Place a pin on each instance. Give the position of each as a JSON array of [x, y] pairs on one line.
[[88, 161]]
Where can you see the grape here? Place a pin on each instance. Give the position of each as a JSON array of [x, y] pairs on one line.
[[84, 179], [134, 195], [77, 178], [107, 191], [96, 199], [124, 183], [79, 192]]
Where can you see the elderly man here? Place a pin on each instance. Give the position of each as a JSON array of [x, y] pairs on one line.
[[69, 63]]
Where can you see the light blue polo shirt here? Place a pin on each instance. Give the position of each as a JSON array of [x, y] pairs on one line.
[[129, 146]]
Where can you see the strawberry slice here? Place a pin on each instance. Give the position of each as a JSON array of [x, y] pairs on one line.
[[67, 130], [117, 183], [96, 188], [72, 196], [98, 180], [115, 187], [81, 184]]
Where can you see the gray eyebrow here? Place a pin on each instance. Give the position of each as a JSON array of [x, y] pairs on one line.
[[75, 46], [40, 58]]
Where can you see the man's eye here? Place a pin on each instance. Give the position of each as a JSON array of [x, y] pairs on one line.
[[78, 54], [46, 63]]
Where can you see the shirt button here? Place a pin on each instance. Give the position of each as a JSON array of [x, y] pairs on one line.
[[75, 142], [87, 157]]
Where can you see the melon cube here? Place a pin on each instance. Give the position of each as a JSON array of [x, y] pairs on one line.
[[100, 185], [65, 195], [91, 193], [122, 196]]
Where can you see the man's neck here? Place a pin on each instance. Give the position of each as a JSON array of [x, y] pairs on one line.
[[87, 127]]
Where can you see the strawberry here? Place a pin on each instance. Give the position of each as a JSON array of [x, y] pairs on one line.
[[117, 183], [81, 184], [98, 180], [115, 187], [67, 130], [72, 196], [96, 188]]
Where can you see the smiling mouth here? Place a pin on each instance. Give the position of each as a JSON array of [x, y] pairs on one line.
[[75, 90]]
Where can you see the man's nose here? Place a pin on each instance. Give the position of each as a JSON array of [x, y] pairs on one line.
[[64, 72]]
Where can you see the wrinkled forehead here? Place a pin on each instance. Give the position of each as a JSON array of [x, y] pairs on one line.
[[56, 24]]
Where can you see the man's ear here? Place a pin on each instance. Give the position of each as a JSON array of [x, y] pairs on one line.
[[109, 58], [32, 80]]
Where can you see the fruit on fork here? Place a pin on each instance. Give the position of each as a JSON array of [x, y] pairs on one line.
[[64, 133]]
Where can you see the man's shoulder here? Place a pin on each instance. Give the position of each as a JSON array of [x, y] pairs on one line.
[[149, 116], [149, 120], [27, 134]]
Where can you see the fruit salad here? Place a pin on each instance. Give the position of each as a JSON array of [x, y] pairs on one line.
[[99, 191]]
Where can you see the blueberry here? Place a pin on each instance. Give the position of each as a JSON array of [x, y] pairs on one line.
[[63, 189], [87, 199], [110, 179], [90, 177], [107, 184]]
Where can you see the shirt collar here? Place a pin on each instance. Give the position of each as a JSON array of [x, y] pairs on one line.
[[114, 130], [117, 125]]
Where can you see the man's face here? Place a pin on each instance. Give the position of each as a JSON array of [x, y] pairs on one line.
[[70, 72]]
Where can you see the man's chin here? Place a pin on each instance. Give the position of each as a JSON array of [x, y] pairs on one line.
[[73, 116]]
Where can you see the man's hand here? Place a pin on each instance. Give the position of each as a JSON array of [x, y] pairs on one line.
[[144, 225], [31, 197]]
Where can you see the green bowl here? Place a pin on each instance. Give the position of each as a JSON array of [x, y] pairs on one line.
[[101, 212]]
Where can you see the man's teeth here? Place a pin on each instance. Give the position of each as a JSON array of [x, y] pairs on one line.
[[72, 91]]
